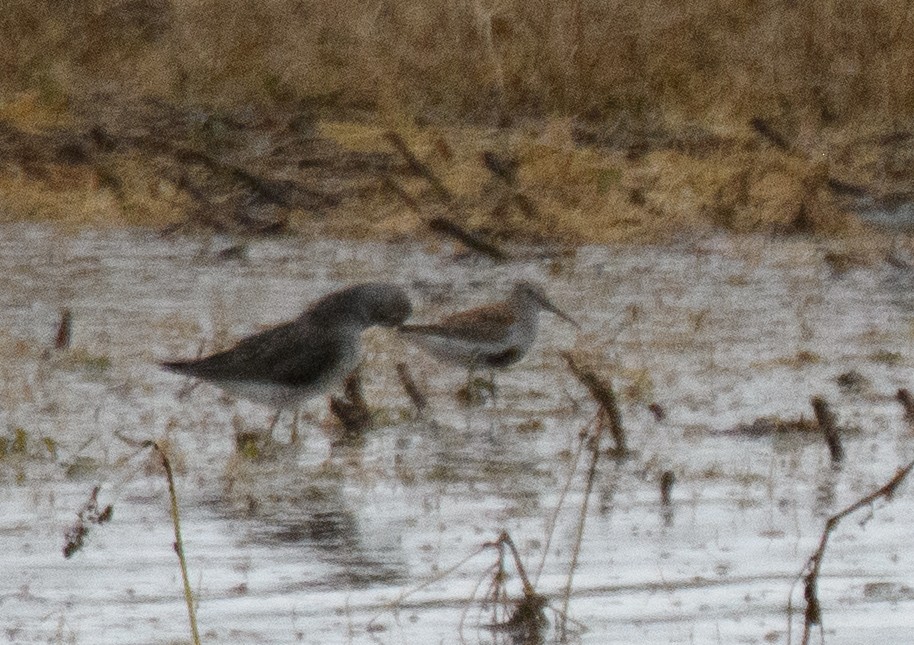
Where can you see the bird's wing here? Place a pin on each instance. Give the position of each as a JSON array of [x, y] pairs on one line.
[[489, 323], [290, 354]]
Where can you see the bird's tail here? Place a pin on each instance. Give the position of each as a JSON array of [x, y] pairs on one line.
[[179, 367]]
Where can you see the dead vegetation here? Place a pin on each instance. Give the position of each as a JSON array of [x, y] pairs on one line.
[[570, 123], [789, 67], [522, 618], [812, 615], [154, 164], [88, 515]]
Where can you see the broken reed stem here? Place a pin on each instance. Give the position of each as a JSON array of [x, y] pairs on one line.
[[391, 185], [813, 613], [416, 395], [608, 417], [505, 170], [489, 575], [179, 544], [829, 428], [603, 393]]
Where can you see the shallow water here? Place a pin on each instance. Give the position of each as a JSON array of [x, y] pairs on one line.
[[322, 546]]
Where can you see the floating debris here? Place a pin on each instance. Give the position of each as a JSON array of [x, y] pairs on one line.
[[766, 426], [89, 514], [658, 411], [853, 382]]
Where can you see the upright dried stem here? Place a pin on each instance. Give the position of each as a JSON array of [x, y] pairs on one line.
[[594, 446], [179, 544]]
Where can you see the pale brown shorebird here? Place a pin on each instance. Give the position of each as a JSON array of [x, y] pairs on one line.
[[284, 366], [491, 336]]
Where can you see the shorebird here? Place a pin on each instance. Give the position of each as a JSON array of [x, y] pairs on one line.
[[493, 336], [283, 366]]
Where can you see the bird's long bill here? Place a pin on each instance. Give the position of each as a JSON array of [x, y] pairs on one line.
[[548, 305]]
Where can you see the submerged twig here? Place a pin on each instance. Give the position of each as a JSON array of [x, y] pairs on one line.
[[667, 479], [810, 575]]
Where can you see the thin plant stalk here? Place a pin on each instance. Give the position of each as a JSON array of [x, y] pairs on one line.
[[812, 615], [576, 550], [553, 519], [179, 544]]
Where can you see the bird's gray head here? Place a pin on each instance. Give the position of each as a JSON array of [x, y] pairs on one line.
[[533, 294], [373, 303]]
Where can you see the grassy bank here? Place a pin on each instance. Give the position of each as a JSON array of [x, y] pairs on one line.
[[625, 120], [720, 60]]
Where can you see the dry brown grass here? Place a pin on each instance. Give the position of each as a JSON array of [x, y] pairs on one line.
[[829, 61], [664, 90]]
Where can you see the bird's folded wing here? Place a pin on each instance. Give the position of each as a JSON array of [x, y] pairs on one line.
[[288, 355], [484, 324]]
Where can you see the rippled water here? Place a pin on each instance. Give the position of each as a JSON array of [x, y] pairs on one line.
[[322, 546]]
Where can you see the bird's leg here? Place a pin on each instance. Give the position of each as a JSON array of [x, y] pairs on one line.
[[187, 390], [469, 388], [273, 424], [293, 437], [493, 390]]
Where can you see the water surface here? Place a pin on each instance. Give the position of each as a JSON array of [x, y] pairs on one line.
[[322, 546]]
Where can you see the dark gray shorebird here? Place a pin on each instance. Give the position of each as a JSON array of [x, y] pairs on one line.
[[288, 364], [491, 336]]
